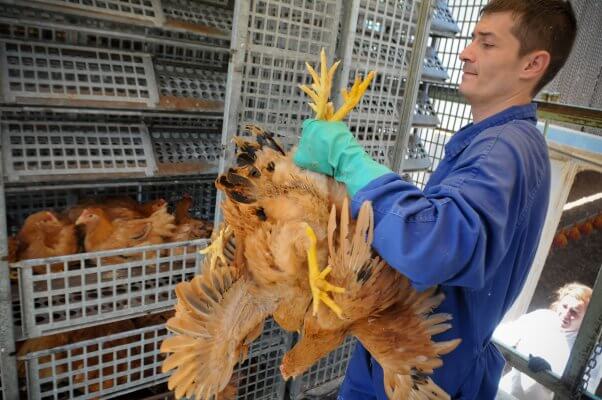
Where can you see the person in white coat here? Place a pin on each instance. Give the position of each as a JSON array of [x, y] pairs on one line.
[[549, 334]]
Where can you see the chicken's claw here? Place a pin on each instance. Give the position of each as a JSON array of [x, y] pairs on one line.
[[317, 279], [320, 89], [216, 249]]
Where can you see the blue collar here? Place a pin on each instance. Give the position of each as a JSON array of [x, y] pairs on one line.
[[465, 135]]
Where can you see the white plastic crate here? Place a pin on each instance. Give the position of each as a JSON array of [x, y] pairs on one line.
[[109, 365], [63, 293], [137, 10], [68, 75], [45, 149], [325, 376], [130, 360]]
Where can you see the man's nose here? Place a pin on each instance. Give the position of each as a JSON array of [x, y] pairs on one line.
[[467, 55]]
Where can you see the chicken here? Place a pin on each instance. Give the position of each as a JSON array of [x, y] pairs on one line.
[[44, 235], [13, 249], [285, 223], [188, 228], [102, 233], [116, 208]]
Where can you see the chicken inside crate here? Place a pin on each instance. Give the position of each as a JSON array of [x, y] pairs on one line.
[[83, 255], [93, 362]]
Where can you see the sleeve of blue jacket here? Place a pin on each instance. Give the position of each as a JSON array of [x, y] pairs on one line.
[[457, 231]]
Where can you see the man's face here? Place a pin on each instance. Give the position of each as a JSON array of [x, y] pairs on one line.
[[491, 61], [570, 311]]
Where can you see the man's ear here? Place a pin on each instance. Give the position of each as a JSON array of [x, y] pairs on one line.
[[536, 64]]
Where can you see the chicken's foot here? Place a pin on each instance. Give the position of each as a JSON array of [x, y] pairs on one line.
[[216, 249], [317, 279]]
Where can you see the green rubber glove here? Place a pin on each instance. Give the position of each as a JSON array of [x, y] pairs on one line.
[[329, 148]]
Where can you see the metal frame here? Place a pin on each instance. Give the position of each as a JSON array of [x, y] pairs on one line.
[[8, 367]]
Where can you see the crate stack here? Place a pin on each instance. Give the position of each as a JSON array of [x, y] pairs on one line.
[[271, 42], [108, 98]]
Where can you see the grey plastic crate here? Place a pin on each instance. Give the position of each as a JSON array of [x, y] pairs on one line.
[[187, 150], [51, 149], [130, 360], [137, 10], [425, 115], [433, 70], [116, 363], [190, 87], [326, 376], [442, 22], [198, 16], [64, 293], [68, 75]]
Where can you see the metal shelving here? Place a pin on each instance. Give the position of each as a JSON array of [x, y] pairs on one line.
[[127, 98]]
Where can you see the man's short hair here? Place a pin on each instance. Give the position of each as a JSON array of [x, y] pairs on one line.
[[577, 290], [548, 25]]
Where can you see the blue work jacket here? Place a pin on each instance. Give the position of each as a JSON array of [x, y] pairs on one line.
[[473, 230]]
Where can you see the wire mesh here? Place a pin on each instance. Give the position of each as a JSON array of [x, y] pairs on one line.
[[327, 374], [283, 35], [382, 41], [452, 111]]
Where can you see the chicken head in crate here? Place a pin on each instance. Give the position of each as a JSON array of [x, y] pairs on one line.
[[282, 224]]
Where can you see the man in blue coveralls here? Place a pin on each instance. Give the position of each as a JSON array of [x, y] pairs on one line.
[[475, 227]]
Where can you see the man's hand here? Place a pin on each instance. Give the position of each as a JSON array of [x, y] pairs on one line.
[[330, 149]]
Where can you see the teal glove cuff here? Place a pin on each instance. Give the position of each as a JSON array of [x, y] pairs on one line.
[[330, 148]]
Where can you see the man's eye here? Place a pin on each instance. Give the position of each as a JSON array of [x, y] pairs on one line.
[[487, 45]]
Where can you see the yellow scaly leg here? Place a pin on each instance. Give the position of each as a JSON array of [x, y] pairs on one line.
[[216, 249], [317, 279]]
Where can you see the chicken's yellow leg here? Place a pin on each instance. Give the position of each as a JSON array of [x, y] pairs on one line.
[[317, 279], [216, 249]]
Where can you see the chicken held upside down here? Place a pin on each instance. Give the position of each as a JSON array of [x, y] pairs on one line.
[[281, 225]]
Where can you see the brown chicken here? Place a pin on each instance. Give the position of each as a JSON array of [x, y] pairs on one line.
[[286, 222], [44, 235], [13, 249], [102, 233], [116, 208], [195, 228]]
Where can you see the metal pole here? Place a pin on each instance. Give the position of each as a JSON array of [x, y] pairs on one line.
[[423, 27], [350, 13], [232, 106], [8, 366], [586, 340]]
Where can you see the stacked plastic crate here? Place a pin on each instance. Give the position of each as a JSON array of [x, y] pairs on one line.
[[105, 98]]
